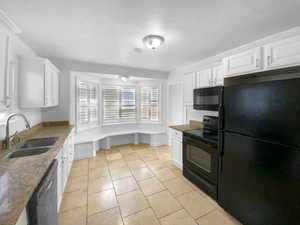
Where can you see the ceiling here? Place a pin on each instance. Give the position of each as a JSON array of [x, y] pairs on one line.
[[111, 31]]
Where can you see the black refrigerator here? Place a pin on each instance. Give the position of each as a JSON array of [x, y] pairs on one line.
[[259, 180]]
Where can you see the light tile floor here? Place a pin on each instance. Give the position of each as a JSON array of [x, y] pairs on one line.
[[135, 185]]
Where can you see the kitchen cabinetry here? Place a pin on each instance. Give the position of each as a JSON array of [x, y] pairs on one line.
[[210, 77], [176, 147], [4, 71], [65, 159], [39, 83], [204, 78], [218, 75], [175, 96], [244, 62], [188, 87], [282, 53]]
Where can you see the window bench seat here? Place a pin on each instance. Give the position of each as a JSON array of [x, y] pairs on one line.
[[89, 141]]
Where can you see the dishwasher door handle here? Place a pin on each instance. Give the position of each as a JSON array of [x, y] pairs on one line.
[[49, 186]]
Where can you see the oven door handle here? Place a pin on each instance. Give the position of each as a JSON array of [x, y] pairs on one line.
[[202, 145]]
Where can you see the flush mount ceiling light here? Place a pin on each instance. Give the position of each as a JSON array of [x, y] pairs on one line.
[[124, 78], [153, 41]]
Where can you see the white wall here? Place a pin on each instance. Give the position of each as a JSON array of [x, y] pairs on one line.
[[19, 48], [62, 112], [176, 75]]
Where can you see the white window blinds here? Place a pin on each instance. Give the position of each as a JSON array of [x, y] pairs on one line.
[[88, 107], [119, 105], [150, 104]]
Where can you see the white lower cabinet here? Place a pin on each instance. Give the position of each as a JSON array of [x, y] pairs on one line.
[[176, 147], [65, 159]]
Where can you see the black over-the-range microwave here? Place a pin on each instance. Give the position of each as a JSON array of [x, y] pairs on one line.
[[208, 98]]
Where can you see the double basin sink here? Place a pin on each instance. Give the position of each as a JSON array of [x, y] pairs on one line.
[[32, 147]]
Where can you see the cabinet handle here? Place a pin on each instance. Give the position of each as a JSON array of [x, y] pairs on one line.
[[269, 60], [257, 62]]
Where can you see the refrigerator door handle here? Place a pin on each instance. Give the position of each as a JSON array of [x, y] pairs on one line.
[[221, 148], [221, 117]]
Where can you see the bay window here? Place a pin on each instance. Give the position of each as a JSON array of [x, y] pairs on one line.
[[87, 105], [150, 104], [119, 105], [116, 104]]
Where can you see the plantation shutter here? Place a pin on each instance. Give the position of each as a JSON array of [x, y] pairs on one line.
[[87, 104], [128, 104], [150, 104], [119, 105]]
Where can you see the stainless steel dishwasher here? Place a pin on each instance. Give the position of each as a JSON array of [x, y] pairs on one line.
[[42, 207]]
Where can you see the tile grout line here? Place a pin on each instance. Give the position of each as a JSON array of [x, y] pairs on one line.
[[136, 182]]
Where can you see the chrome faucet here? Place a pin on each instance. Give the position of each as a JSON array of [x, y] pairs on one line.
[[7, 137]]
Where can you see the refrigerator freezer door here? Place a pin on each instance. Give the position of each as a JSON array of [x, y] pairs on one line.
[[259, 181], [268, 110]]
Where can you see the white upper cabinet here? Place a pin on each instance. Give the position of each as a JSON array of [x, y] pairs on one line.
[[245, 62], [38, 83], [188, 87], [55, 87], [218, 75], [282, 53], [204, 78], [4, 71], [175, 102]]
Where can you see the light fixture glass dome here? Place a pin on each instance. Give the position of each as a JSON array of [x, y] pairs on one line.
[[153, 41], [123, 78]]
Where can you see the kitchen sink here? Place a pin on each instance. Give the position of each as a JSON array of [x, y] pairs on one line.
[[27, 152], [39, 142]]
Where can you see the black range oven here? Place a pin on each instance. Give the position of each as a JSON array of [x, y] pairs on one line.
[[207, 98], [201, 157]]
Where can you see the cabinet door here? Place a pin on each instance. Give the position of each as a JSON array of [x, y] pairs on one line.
[[179, 146], [59, 179], [3, 69], [65, 165], [218, 75], [242, 63], [282, 53], [174, 149], [48, 85], [175, 103], [188, 87], [71, 150], [55, 88], [204, 78]]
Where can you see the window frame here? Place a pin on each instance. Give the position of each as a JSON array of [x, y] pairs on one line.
[[90, 124], [159, 121], [136, 104]]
